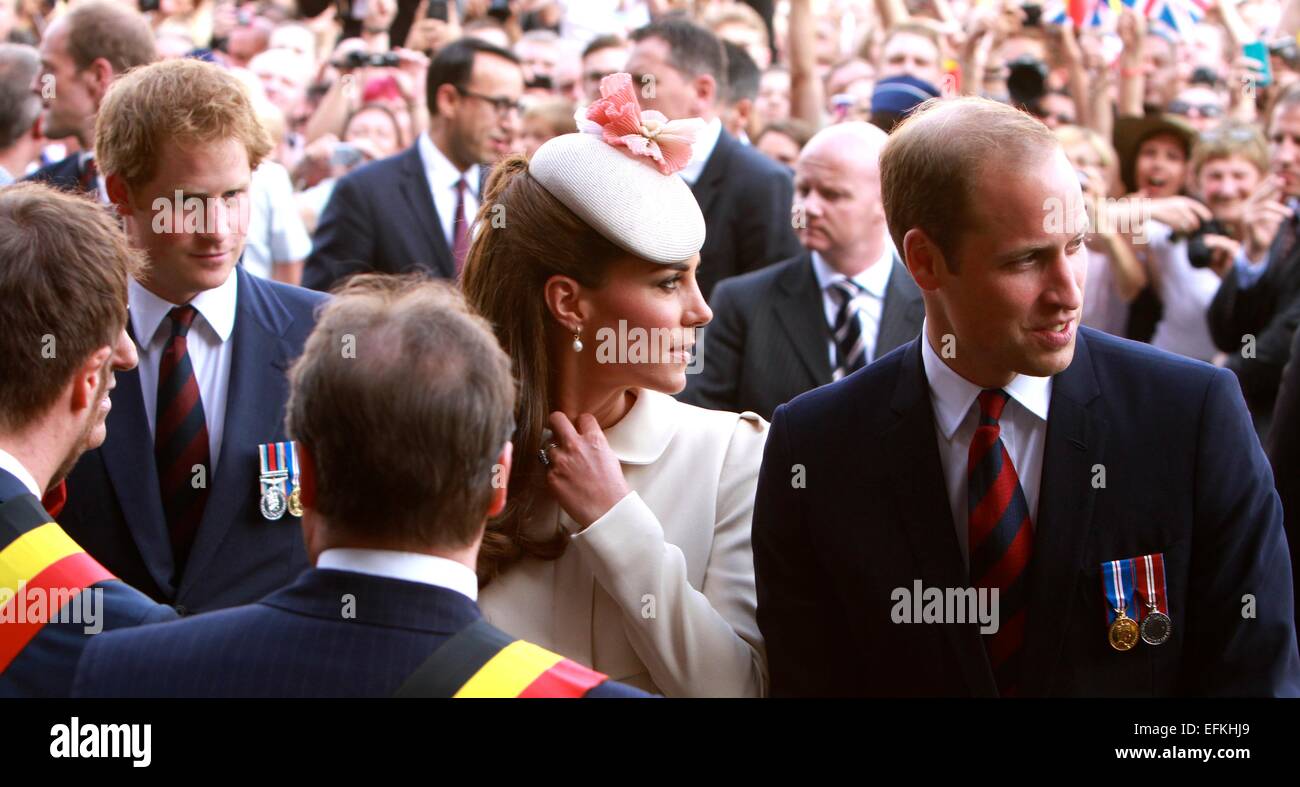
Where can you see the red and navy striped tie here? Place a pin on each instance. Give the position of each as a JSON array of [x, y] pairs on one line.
[[1001, 538], [180, 439]]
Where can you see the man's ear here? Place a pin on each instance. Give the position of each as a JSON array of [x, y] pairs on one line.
[[706, 90], [85, 381], [100, 73], [923, 259], [563, 297], [118, 195], [446, 99], [500, 480]]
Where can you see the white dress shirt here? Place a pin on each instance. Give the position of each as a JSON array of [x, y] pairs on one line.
[[208, 343], [408, 566], [956, 414], [871, 302], [701, 150], [442, 176], [10, 464]]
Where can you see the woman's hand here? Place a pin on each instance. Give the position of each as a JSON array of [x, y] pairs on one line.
[[584, 476], [1182, 214]]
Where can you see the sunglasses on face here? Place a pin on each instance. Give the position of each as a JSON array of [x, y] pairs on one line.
[[1186, 108]]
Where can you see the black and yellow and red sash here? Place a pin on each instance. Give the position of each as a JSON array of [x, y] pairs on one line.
[[483, 661], [37, 558]]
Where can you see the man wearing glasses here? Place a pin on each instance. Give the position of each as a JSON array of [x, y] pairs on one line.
[[412, 211]]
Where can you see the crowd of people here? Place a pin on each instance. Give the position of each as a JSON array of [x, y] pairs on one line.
[[614, 348]]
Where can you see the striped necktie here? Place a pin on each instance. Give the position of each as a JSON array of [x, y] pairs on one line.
[[460, 227], [1001, 538], [180, 439], [850, 345]]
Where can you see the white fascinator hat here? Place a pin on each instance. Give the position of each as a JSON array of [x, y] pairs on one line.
[[619, 174]]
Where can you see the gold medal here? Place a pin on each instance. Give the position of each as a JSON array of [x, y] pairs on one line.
[[295, 502], [1123, 633]]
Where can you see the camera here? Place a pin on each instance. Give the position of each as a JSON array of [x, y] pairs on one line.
[[1033, 14], [1198, 254], [355, 59], [1026, 81], [499, 10]]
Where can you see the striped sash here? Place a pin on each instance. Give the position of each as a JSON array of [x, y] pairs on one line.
[[483, 661], [37, 560]]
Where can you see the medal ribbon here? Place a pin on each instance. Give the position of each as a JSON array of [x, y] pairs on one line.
[[292, 464], [1151, 583], [1117, 580]]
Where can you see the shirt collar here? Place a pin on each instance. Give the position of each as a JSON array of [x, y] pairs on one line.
[[216, 306], [10, 464], [408, 566], [953, 394], [645, 431], [701, 150], [874, 279], [441, 172]]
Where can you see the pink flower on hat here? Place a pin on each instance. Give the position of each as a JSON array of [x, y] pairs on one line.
[[618, 119]]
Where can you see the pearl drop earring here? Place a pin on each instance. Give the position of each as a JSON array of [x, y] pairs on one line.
[[577, 342]]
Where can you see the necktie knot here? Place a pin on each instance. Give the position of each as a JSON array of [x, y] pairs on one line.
[[461, 185], [992, 400], [846, 290], [182, 318]]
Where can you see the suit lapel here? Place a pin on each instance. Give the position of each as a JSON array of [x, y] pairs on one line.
[[133, 472], [257, 390], [1075, 444], [901, 296], [707, 187], [417, 194], [922, 511], [800, 312]]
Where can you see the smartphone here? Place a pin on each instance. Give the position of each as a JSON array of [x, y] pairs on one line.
[[1258, 51], [437, 9]]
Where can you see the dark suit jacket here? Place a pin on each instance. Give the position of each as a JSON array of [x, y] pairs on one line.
[[1284, 453], [296, 642], [114, 507], [47, 663], [62, 174], [767, 342], [380, 218], [1270, 311], [746, 199], [1184, 475]]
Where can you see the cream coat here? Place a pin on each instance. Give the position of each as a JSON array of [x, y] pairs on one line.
[[658, 592]]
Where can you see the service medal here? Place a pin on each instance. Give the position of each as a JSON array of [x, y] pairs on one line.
[[1123, 634], [295, 502], [273, 501]]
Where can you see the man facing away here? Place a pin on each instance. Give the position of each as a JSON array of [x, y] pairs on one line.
[[402, 407]]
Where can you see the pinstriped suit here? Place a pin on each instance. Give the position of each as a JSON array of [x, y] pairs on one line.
[[768, 340]]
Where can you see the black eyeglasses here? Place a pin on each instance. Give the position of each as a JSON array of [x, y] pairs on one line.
[[501, 104], [1185, 108]]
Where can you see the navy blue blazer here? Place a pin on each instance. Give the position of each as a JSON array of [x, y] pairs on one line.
[[297, 642], [62, 174], [745, 198], [46, 666], [380, 218], [114, 508], [1184, 475]]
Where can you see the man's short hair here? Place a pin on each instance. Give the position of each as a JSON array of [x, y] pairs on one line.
[[404, 400], [607, 41], [184, 101], [19, 106], [454, 65], [63, 285], [919, 29], [111, 30], [693, 50], [1230, 138], [937, 157], [743, 75]]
